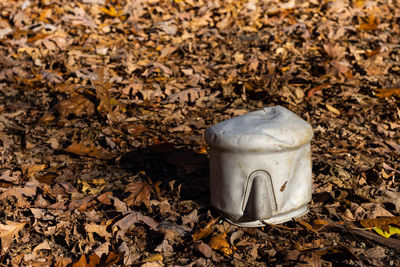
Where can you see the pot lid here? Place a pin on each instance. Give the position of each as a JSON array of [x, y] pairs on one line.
[[270, 129]]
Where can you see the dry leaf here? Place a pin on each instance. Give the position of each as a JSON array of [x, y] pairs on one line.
[[123, 225], [44, 245], [93, 187], [76, 105], [220, 243], [31, 169], [382, 224], [188, 95], [387, 92], [11, 178], [206, 231], [101, 230], [332, 109], [156, 257], [8, 232], [370, 24], [82, 149], [19, 192], [140, 193], [204, 249]]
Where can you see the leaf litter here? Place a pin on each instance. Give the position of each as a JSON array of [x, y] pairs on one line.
[[103, 106]]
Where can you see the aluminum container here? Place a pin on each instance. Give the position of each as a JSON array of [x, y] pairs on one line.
[[260, 167]]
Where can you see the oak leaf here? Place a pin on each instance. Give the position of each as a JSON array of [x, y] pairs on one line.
[[8, 232], [139, 193]]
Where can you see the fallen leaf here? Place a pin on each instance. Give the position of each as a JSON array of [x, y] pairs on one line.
[[92, 187], [370, 24], [77, 105], [44, 245], [10, 177], [140, 192], [165, 248], [123, 225], [382, 93], [219, 242], [105, 198], [103, 249], [101, 230], [381, 223], [206, 231], [204, 249], [390, 231], [128, 257], [83, 149], [332, 109], [31, 169], [19, 192], [8, 233], [156, 257]]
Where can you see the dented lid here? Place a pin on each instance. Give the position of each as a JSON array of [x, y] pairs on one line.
[[270, 129]]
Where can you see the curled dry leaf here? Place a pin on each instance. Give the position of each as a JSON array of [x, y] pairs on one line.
[[219, 242], [206, 231], [77, 105], [8, 232]]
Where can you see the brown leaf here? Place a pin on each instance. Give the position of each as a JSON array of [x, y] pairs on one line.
[[370, 24], [76, 105], [31, 169], [101, 230], [81, 203], [123, 225], [387, 92], [10, 177], [204, 249], [19, 192], [8, 232], [140, 193], [82, 149], [81, 262], [381, 223], [206, 231], [105, 198]]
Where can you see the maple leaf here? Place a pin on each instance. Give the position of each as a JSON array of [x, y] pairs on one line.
[[8, 232], [140, 193]]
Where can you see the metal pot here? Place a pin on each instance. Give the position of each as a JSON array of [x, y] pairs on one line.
[[260, 167]]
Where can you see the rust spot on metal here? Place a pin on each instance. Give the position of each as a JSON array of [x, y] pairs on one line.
[[283, 187]]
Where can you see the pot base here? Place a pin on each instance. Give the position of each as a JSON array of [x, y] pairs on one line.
[[280, 218]]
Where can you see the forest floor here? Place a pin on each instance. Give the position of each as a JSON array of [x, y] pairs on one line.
[[103, 107]]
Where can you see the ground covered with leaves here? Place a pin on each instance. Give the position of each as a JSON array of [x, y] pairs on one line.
[[103, 106]]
